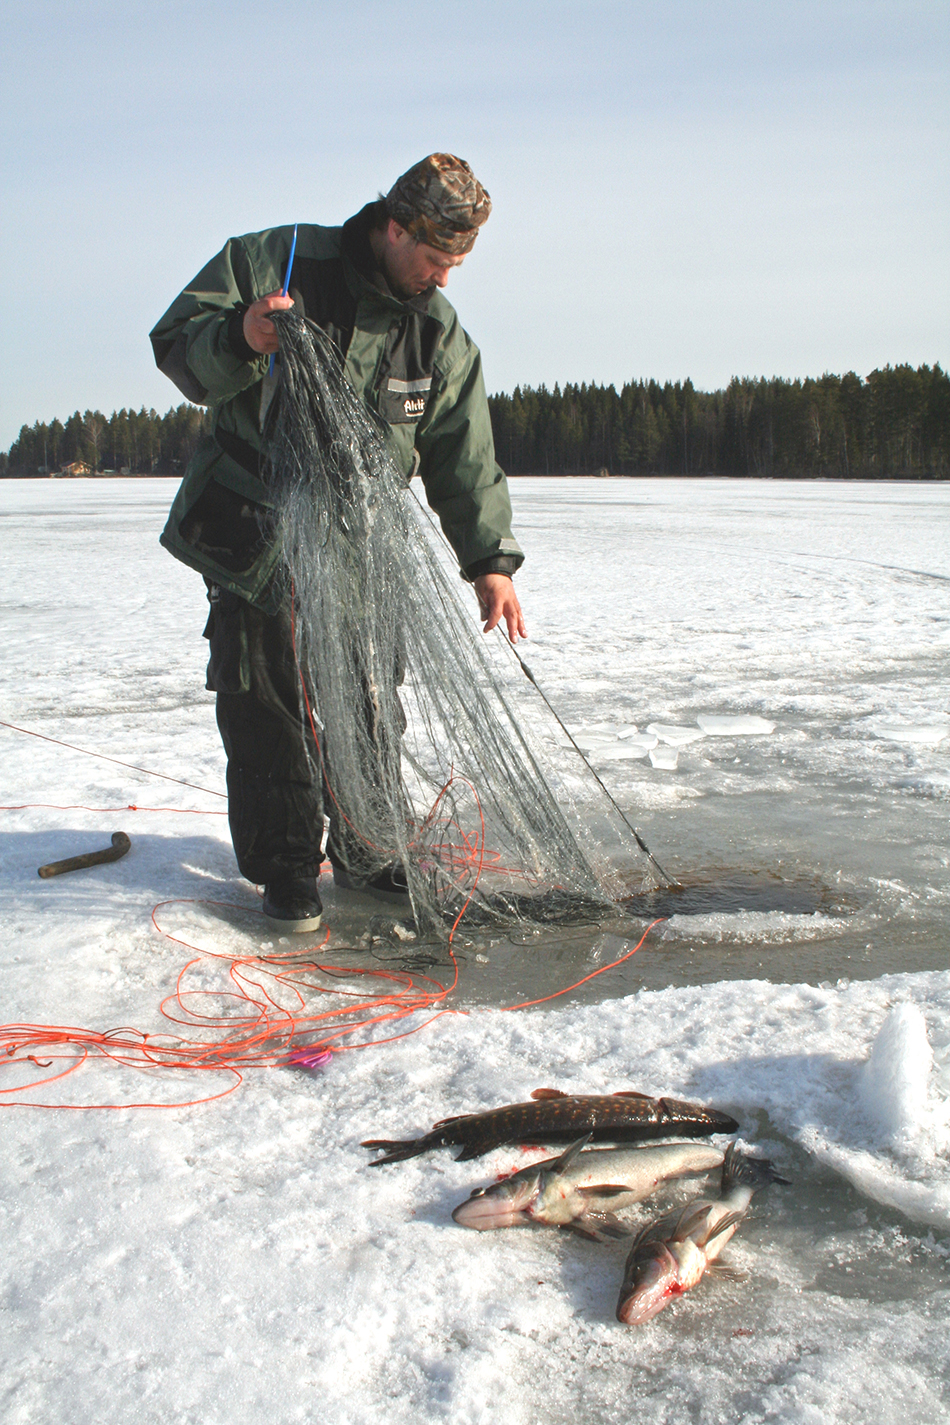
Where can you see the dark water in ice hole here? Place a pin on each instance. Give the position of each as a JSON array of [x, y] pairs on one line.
[[711, 931], [730, 892]]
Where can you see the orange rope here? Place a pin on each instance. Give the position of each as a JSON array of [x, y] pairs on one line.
[[273, 1015], [130, 806], [273, 1000], [103, 758], [527, 1003], [265, 1032]]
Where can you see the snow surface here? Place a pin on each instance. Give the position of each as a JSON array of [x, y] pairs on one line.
[[240, 1261]]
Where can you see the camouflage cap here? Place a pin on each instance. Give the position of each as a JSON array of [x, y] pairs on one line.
[[439, 201]]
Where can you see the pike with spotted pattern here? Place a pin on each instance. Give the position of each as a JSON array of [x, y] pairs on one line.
[[555, 1117]]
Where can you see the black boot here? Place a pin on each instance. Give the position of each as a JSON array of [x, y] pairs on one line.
[[292, 903], [386, 885]]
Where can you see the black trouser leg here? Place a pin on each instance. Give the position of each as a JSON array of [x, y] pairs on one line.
[[275, 804]]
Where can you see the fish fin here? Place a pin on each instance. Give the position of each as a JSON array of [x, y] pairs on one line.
[[609, 1226], [474, 1150], [731, 1219], [579, 1228], [456, 1118], [727, 1273], [548, 1093], [631, 1093], [567, 1157], [739, 1167], [604, 1190], [690, 1217], [643, 1235]]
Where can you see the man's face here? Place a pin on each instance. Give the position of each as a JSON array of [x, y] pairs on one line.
[[412, 266]]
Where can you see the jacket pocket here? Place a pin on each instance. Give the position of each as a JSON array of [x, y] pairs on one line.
[[220, 525], [227, 528], [404, 402]]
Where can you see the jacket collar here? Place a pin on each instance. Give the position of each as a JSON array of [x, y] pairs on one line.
[[364, 275]]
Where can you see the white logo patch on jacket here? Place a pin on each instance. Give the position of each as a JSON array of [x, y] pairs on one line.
[[413, 393]]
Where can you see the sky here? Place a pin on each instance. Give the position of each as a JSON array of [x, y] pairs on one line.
[[688, 188]]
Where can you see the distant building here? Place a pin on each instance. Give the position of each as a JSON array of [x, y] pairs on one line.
[[78, 467]]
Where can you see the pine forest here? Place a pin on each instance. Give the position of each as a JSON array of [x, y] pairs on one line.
[[893, 424]]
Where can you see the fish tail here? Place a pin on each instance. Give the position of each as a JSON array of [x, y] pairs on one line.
[[399, 1148], [742, 1170]]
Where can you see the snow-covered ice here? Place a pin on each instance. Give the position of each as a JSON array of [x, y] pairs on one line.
[[897, 1081], [929, 734], [735, 726], [240, 1261]]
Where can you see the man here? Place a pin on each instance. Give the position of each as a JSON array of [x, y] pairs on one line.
[[372, 285]]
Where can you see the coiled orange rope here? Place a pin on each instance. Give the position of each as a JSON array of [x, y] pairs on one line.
[[271, 1006]]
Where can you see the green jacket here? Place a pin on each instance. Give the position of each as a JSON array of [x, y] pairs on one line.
[[409, 360]]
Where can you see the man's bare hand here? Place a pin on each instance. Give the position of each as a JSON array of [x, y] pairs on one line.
[[497, 600], [259, 333]]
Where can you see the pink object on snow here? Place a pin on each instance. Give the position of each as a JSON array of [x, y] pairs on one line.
[[309, 1058]]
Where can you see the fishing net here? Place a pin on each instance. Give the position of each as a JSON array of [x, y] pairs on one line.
[[423, 763]]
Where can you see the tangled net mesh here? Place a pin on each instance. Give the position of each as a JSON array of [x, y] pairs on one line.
[[422, 760]]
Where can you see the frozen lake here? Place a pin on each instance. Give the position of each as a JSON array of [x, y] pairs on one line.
[[824, 608], [788, 643]]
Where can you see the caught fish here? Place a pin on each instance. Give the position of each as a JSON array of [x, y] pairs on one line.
[[581, 1189], [556, 1117], [671, 1254]]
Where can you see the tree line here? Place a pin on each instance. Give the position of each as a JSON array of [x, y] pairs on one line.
[[893, 424], [133, 442]]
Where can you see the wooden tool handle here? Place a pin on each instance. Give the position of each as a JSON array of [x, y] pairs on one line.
[[120, 845]]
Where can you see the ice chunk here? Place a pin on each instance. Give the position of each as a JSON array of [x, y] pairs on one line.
[[895, 1082], [675, 736], [741, 725], [613, 742], [929, 733], [624, 751], [665, 757], [601, 734], [593, 741], [607, 729], [926, 1198]]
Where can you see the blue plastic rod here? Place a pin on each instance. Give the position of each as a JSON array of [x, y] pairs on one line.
[[286, 287]]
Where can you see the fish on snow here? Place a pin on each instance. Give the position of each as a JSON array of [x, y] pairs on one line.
[[671, 1254], [555, 1117], [581, 1190]]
